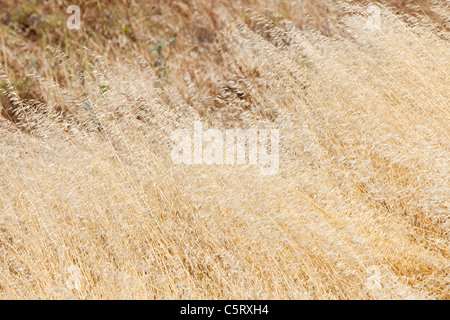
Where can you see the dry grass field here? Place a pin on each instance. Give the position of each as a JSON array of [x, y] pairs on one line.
[[93, 207]]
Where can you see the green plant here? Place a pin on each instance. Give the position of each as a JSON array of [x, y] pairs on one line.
[[161, 44]]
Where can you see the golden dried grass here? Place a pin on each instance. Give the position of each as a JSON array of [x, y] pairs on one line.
[[92, 206]]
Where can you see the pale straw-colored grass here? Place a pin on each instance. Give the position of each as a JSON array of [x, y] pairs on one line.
[[92, 206]]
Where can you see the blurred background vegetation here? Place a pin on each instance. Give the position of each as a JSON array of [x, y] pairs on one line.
[[178, 38]]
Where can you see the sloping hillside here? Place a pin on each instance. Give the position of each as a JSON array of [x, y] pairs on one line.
[[93, 205]]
